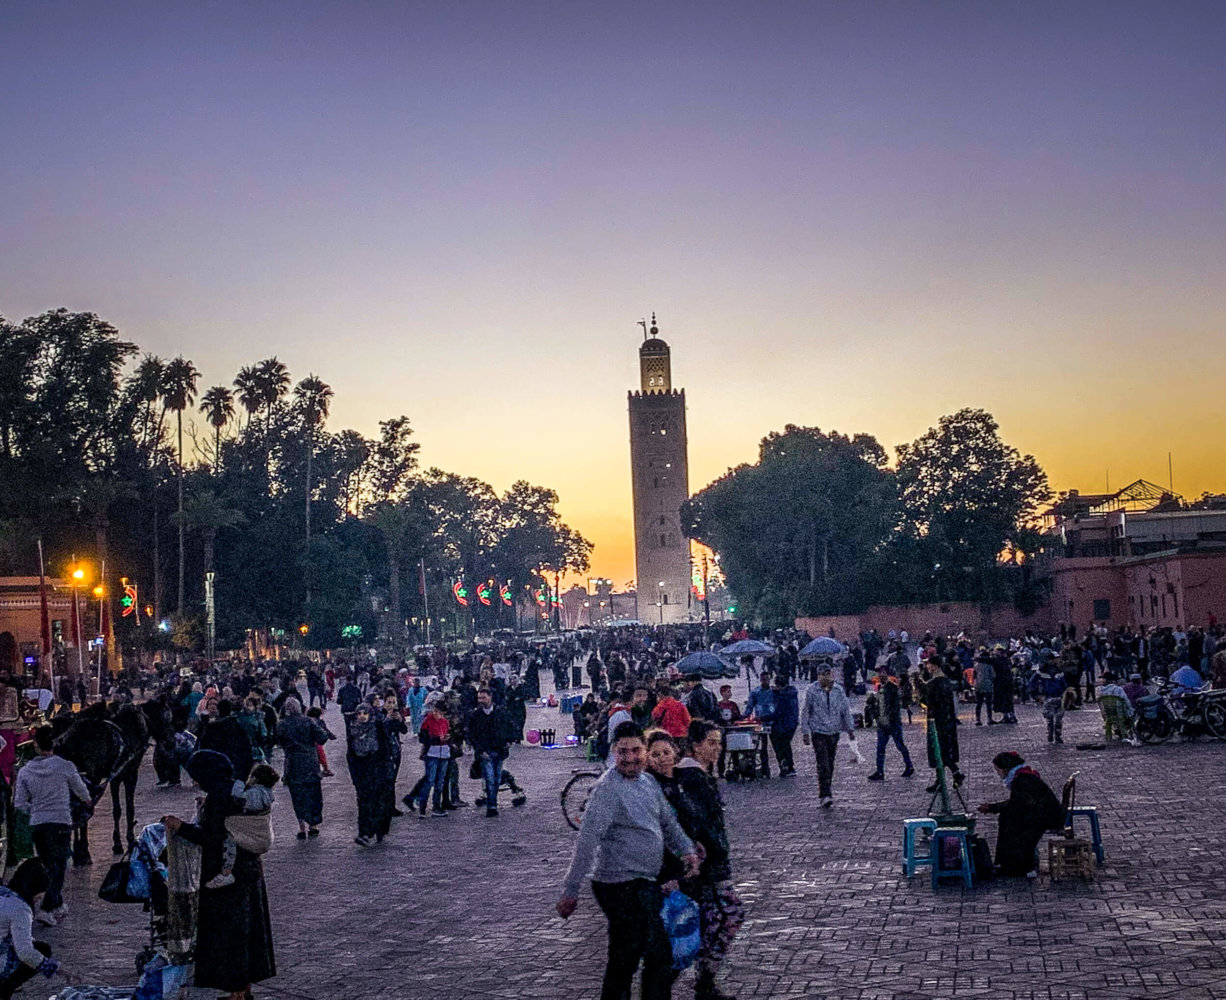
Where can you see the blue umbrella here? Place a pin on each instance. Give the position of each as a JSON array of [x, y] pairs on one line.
[[748, 647], [702, 662], [823, 645]]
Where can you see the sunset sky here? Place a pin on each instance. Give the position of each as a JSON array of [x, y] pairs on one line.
[[859, 216]]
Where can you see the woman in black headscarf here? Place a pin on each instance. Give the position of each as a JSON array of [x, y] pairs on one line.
[[234, 933], [1029, 812]]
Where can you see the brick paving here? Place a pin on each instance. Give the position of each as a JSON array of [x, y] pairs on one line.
[[462, 907]]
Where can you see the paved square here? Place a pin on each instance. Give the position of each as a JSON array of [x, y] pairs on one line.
[[463, 907]]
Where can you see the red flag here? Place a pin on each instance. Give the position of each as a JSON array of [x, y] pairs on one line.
[[44, 611]]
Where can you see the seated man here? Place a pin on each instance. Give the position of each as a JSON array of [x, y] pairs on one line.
[[1116, 709], [1030, 811], [1134, 689]]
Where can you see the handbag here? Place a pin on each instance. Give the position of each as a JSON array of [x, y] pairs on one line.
[[119, 886], [682, 924]]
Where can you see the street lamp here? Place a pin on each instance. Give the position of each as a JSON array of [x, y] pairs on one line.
[[78, 579], [660, 601]]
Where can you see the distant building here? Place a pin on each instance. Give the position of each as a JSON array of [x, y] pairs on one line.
[[1138, 557], [659, 472]]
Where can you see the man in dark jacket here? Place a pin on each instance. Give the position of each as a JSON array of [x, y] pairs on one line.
[[783, 724], [889, 727], [488, 733], [226, 735], [937, 694], [699, 700]]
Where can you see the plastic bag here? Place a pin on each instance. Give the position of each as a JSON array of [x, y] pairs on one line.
[[854, 747], [681, 922], [160, 980]]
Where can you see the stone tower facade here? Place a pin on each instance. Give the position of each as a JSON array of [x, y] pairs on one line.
[[659, 472]]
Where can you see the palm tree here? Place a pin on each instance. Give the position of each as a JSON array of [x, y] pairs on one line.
[[311, 397], [147, 380], [272, 379], [208, 513], [404, 528], [247, 382], [179, 392], [218, 406]]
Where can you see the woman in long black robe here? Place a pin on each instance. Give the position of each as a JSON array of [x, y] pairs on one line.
[[1031, 809], [234, 933], [299, 735]]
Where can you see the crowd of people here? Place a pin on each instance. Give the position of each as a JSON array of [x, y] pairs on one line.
[[655, 821]]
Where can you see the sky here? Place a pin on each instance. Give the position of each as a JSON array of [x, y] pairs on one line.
[[856, 216]]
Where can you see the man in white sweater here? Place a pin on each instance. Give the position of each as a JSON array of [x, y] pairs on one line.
[[44, 791]]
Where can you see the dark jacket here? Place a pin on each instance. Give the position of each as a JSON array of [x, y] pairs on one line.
[[695, 798], [701, 704], [489, 732], [787, 710], [227, 736]]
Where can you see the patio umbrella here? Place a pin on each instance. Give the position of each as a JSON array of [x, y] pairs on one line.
[[748, 647], [823, 645], [707, 664]]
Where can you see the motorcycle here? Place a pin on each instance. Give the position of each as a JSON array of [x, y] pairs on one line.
[[1173, 710]]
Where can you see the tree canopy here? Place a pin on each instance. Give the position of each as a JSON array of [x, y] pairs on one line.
[[821, 524], [300, 523]]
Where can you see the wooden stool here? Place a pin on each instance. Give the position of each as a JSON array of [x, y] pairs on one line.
[[1070, 857]]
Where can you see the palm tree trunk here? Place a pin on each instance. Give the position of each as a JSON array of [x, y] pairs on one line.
[[179, 604], [393, 591], [308, 518]]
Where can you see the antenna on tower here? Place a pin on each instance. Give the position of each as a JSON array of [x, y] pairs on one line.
[[643, 324]]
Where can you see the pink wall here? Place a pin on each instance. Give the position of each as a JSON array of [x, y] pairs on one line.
[[939, 619], [1078, 583]]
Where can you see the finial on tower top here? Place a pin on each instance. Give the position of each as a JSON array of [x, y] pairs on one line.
[[655, 330]]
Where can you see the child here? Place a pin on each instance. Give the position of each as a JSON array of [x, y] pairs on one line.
[[252, 830], [316, 713]]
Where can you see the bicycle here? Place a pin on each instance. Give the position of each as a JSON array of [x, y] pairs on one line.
[[576, 793]]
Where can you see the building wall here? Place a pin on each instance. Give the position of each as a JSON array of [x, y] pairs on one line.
[[660, 485], [939, 619], [1080, 586]]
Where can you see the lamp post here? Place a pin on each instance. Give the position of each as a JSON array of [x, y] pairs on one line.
[[100, 594], [78, 578], [660, 600]]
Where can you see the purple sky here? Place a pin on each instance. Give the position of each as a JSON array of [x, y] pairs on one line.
[[854, 215]]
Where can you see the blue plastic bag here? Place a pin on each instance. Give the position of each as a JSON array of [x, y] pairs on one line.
[[681, 922]]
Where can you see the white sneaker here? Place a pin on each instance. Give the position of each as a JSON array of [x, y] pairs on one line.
[[827, 803], [219, 881], [46, 918]]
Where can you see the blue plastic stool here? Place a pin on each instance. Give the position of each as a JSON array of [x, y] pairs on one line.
[[939, 839], [1090, 813], [911, 862]]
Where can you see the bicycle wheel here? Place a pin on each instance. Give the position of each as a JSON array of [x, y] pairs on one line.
[[575, 796], [1215, 719]]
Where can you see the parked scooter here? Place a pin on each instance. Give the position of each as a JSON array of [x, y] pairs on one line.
[[1175, 710]]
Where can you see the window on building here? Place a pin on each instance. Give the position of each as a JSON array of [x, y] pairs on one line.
[[655, 481], [662, 542], [1153, 606], [1102, 610], [1164, 605], [665, 598], [661, 518]]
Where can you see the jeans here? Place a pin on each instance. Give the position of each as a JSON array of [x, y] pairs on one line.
[[782, 742], [53, 844], [436, 776], [883, 740], [983, 698], [491, 771], [824, 747], [636, 935], [763, 748]]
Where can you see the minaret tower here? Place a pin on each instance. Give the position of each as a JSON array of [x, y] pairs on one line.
[[659, 475]]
